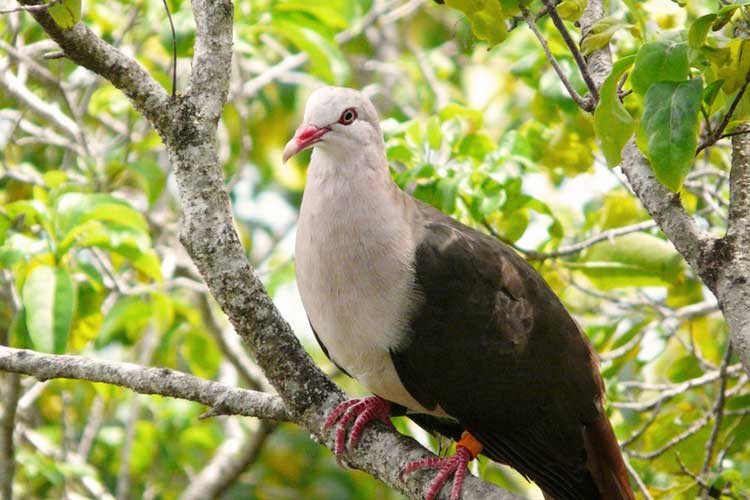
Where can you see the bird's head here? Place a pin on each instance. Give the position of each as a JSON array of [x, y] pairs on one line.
[[337, 119]]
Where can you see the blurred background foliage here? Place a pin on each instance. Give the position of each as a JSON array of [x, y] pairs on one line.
[[90, 261]]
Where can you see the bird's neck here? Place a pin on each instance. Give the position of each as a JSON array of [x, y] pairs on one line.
[[351, 181], [354, 198]]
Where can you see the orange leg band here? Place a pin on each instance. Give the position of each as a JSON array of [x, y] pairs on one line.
[[470, 443]]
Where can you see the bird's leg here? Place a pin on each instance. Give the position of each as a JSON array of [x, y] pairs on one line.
[[467, 450], [361, 411]]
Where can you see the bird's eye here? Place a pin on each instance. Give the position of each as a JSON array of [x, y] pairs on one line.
[[348, 116]]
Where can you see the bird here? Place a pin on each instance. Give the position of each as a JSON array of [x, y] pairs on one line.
[[441, 322]]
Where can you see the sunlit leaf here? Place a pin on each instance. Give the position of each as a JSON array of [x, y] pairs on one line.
[[571, 10], [48, 297], [699, 30], [600, 34], [612, 122], [670, 127], [662, 61], [636, 259], [486, 17], [66, 13]]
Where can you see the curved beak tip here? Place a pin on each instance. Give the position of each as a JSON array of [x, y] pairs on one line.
[[290, 149], [304, 137]]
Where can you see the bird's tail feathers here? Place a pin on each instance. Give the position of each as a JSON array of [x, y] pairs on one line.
[[605, 462]]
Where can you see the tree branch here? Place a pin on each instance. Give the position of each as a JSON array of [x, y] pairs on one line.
[[11, 390], [665, 207], [573, 47], [144, 380], [582, 103]]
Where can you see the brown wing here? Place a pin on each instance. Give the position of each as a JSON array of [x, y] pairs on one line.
[[493, 346]]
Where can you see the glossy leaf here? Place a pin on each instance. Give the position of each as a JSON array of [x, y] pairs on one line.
[[612, 122], [48, 297], [600, 34], [661, 61], [66, 13], [636, 259], [699, 30], [571, 10], [670, 129], [486, 17]]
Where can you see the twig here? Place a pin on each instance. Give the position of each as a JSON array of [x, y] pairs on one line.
[[637, 479], [174, 49], [238, 451], [50, 112], [690, 431], [232, 350], [573, 47], [671, 390], [582, 103], [124, 476], [43, 445], [144, 380], [718, 411], [91, 429], [637, 434], [11, 390], [609, 234], [727, 117]]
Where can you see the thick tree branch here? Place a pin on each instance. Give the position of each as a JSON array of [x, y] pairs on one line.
[[667, 210], [144, 380]]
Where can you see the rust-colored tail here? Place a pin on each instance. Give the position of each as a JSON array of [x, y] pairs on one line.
[[605, 462]]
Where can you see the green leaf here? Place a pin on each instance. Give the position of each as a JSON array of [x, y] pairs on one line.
[[486, 17], [328, 14], [66, 13], [711, 91], [662, 61], [600, 34], [636, 259], [434, 134], [5, 224], [73, 209], [571, 10], [326, 59], [612, 122], [150, 177], [699, 30], [731, 64], [670, 128], [48, 297]]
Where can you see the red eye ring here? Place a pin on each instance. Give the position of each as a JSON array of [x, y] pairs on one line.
[[348, 116]]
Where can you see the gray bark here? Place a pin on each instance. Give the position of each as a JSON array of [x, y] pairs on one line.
[[145, 380]]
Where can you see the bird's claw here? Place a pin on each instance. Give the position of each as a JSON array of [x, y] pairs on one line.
[[455, 466], [360, 411]]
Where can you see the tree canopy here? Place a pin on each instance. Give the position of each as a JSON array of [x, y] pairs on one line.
[[607, 142]]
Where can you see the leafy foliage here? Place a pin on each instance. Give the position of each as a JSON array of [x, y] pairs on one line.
[[476, 123]]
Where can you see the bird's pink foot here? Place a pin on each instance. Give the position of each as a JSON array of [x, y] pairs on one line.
[[361, 411], [466, 450]]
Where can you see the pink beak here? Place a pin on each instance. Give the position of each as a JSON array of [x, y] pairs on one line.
[[304, 137]]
